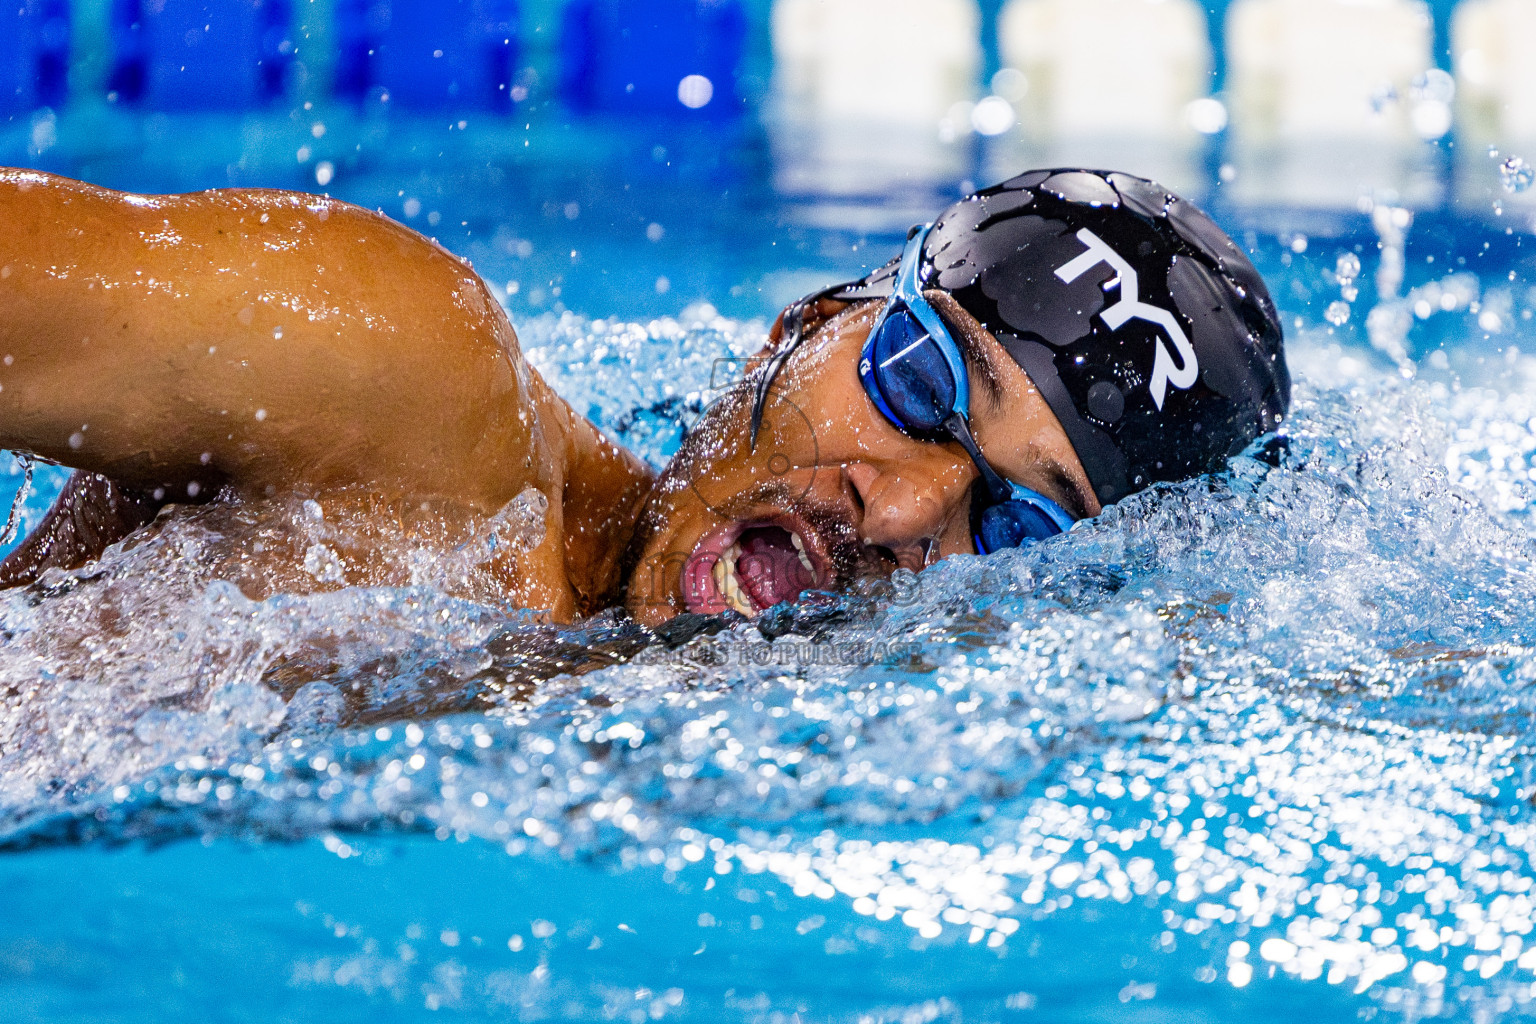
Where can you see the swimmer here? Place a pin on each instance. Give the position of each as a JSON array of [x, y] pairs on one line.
[[1045, 348]]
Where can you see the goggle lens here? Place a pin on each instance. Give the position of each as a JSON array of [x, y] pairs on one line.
[[912, 374], [1008, 524]]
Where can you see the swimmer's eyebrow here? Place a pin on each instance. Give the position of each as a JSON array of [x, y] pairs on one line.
[[978, 355], [979, 364], [1076, 500]]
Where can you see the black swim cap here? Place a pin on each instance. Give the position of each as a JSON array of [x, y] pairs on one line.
[[1150, 335]]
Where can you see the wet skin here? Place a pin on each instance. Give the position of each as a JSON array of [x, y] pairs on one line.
[[257, 343], [833, 477]]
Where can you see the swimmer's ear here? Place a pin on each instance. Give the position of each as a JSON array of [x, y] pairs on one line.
[[801, 319], [812, 316], [775, 335]]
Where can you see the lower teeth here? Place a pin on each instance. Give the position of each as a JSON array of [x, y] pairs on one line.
[[725, 579]]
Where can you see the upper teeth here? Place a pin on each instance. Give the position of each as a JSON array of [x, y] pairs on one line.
[[805, 559]]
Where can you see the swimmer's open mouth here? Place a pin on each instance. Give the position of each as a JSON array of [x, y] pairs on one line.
[[749, 567]]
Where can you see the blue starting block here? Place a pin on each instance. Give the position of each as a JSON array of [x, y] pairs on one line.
[[657, 57], [34, 53], [428, 54], [201, 54]]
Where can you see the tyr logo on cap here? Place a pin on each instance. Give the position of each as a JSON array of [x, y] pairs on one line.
[[1165, 371]]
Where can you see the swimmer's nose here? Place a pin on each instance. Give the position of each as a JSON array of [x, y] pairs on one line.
[[903, 512]]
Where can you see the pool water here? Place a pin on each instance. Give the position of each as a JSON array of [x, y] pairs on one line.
[[1249, 747]]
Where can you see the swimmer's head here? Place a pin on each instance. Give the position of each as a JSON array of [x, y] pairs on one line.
[[1111, 336]]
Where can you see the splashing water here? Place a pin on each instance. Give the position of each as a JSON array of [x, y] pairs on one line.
[[1516, 175], [15, 517], [1271, 725]]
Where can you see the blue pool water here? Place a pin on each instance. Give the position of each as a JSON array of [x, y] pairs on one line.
[[1245, 748]]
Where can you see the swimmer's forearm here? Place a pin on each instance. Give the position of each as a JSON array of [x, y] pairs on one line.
[[260, 337]]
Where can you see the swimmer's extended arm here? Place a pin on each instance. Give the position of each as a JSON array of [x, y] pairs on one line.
[[258, 338]]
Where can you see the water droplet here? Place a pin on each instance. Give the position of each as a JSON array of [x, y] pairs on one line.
[[1010, 84], [1434, 86], [993, 116], [1516, 174], [1347, 268], [324, 564], [695, 91], [1337, 313], [1206, 116]]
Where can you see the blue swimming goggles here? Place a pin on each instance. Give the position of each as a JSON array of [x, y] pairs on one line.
[[915, 374]]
